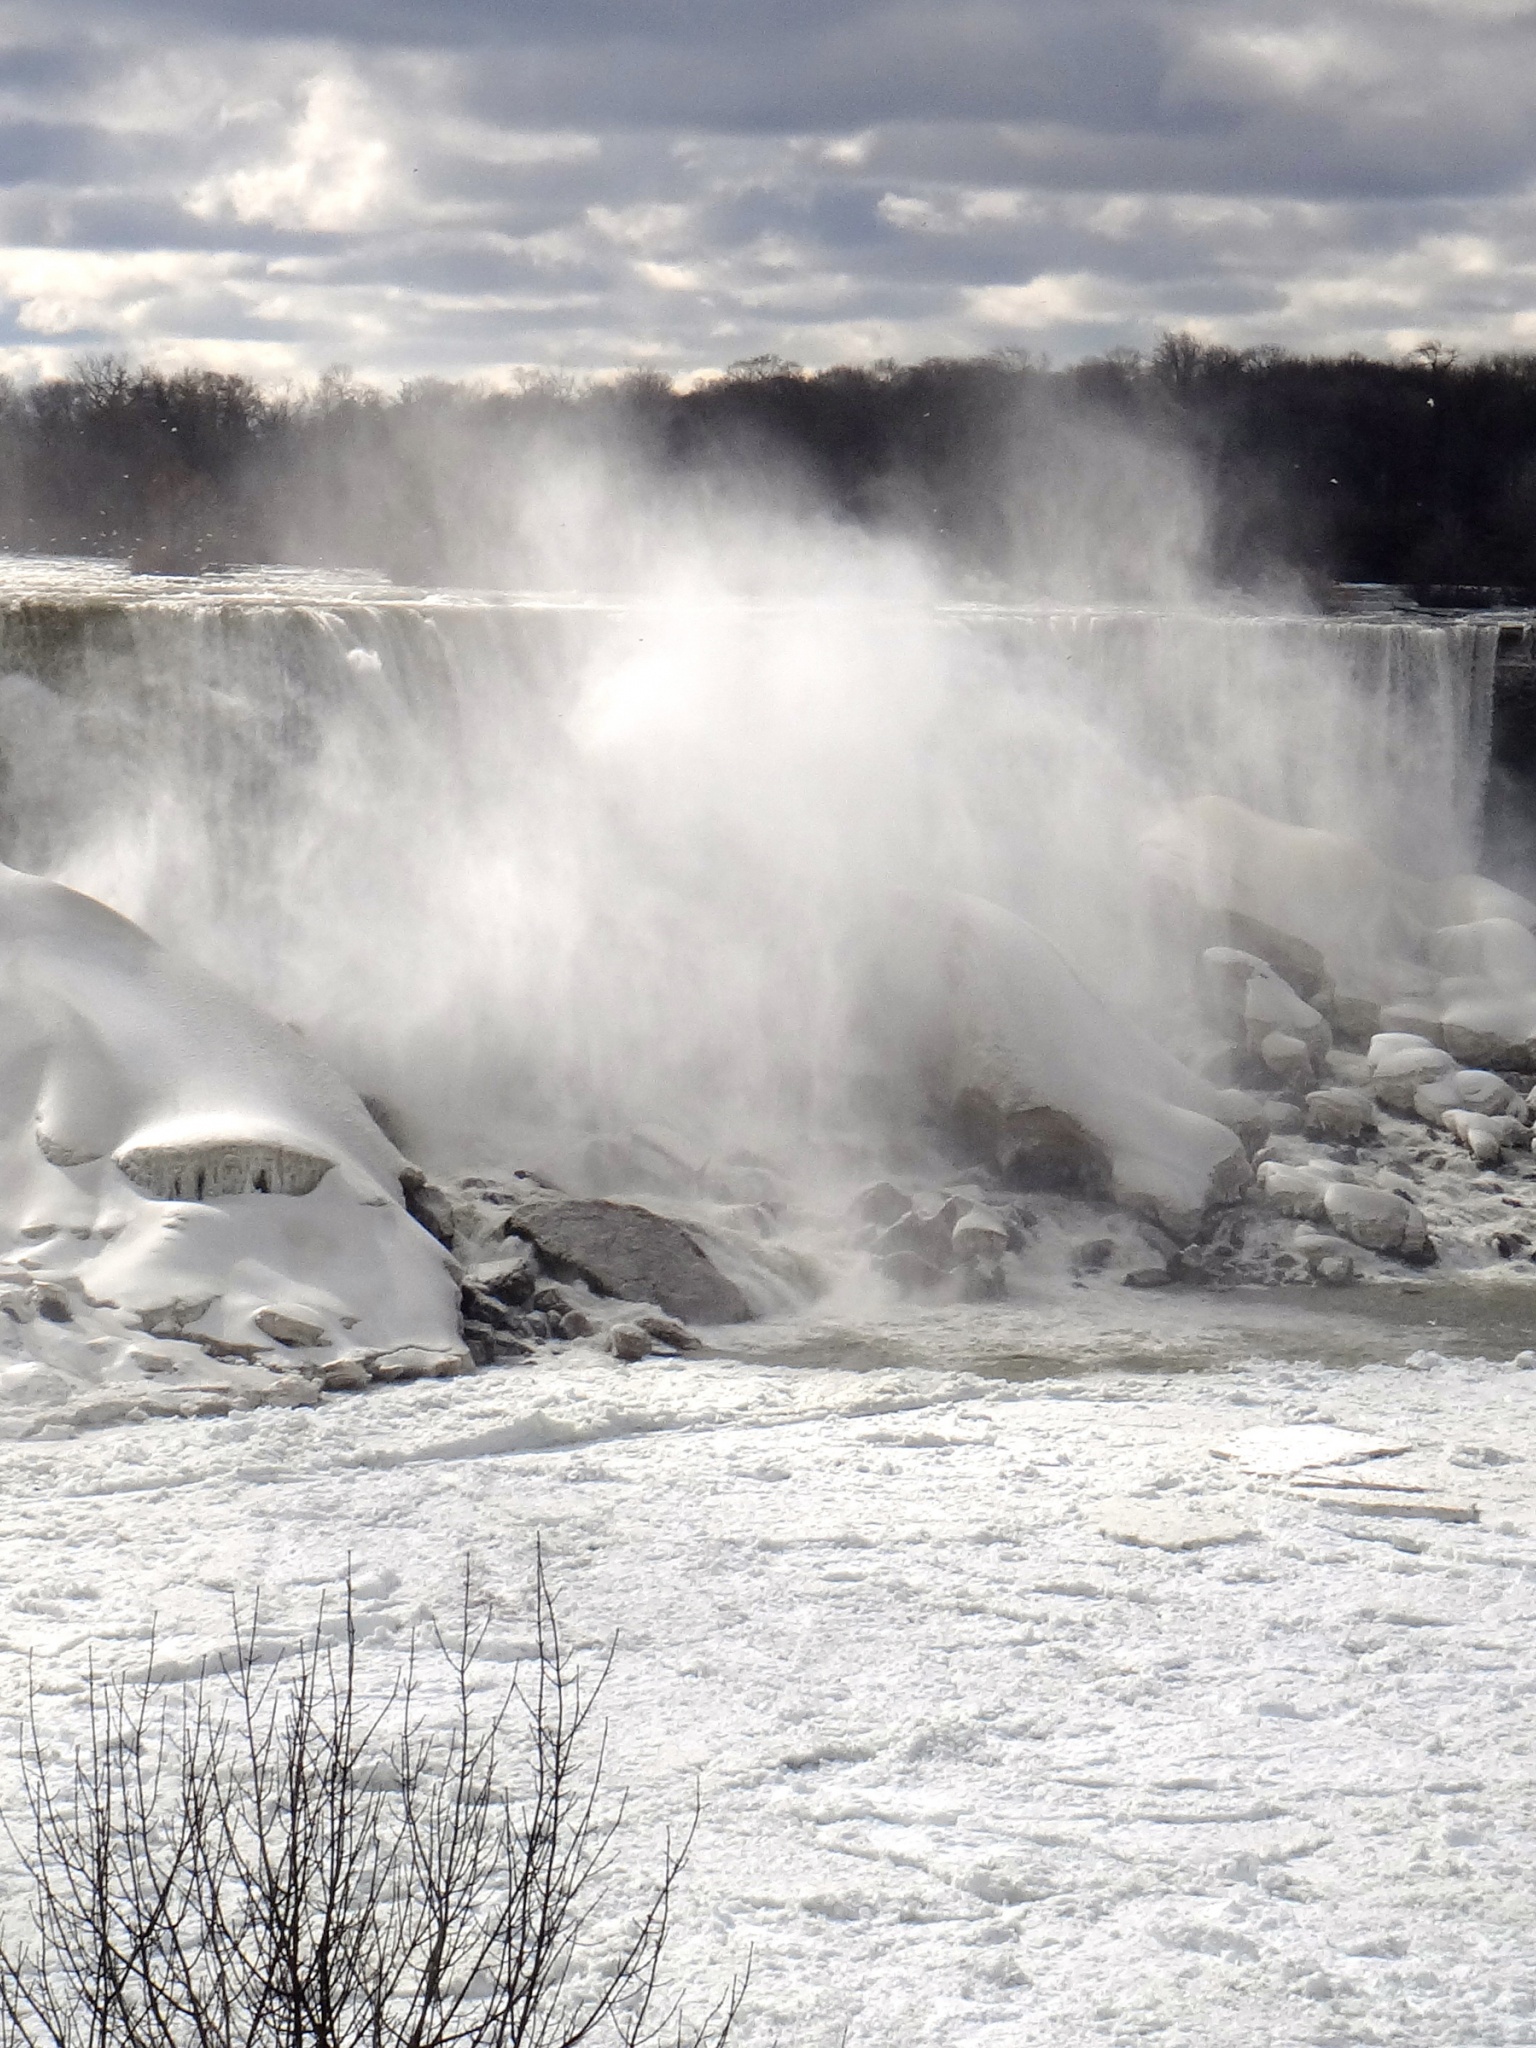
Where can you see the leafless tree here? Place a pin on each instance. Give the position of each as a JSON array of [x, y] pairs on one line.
[[269, 1859]]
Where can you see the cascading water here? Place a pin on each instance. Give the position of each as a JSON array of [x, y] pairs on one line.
[[525, 867]]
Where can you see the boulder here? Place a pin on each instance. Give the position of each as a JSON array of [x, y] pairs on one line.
[[1287, 1059], [1320, 1249], [1036, 1147], [1339, 1112], [1300, 965], [628, 1342], [979, 1234], [287, 1323], [1481, 1135], [1293, 1190], [880, 1204], [1249, 1000], [1372, 1217], [1403, 1063], [630, 1253]]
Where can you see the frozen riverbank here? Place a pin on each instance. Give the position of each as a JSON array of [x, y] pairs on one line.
[[973, 1769]]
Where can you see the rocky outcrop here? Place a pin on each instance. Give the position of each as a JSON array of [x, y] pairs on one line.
[[628, 1253]]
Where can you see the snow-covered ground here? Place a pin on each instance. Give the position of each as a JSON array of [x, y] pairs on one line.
[[1019, 1712]]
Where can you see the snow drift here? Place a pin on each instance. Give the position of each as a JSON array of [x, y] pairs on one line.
[[187, 1195]]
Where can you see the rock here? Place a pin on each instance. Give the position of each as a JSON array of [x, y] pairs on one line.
[[287, 1323], [1250, 1000], [927, 1230], [1335, 1272], [1348, 1069], [575, 1324], [1405, 1064], [553, 1300], [1293, 1190], [629, 1253], [417, 1362], [1320, 1248], [979, 1234], [52, 1303], [1038, 1148], [17, 1304], [428, 1205], [1287, 1059], [1355, 1016], [1281, 1118], [909, 1272], [879, 1205], [628, 1342], [1479, 1134], [1493, 949], [1371, 1217], [1148, 1276], [1297, 963], [1093, 1255], [1514, 1135], [345, 1375], [668, 1330], [1487, 1094], [1339, 1112], [172, 1318], [509, 1281]]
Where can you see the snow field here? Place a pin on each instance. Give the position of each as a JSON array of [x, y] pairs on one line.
[[972, 1771]]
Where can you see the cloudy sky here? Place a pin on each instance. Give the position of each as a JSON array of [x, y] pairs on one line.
[[468, 186]]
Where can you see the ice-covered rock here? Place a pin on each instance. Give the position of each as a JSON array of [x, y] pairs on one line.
[[1287, 1059], [1483, 1136], [179, 1163], [1453, 961], [1401, 1064], [1251, 1000], [1045, 1076], [1373, 1217], [1293, 1190], [1339, 1112], [1321, 890]]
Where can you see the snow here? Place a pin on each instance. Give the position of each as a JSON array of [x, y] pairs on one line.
[[973, 1771], [174, 1164]]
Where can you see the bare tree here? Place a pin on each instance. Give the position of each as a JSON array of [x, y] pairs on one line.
[[268, 1860]]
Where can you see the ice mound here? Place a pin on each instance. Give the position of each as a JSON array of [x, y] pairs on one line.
[[1063, 1091], [1367, 946], [194, 1209]]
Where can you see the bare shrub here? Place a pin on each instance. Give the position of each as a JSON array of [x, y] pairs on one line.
[[265, 1859]]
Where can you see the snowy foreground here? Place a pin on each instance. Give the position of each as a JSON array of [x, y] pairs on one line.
[[1059, 1709]]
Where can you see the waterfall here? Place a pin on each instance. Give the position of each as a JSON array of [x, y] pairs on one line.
[[519, 860]]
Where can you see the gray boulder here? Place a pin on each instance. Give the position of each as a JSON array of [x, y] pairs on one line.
[[629, 1253]]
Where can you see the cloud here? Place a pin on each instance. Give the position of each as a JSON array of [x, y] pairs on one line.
[[488, 184]]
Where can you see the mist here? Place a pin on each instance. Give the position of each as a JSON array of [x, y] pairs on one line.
[[635, 846]]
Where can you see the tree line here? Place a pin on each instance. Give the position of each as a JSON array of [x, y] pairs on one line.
[[1420, 472]]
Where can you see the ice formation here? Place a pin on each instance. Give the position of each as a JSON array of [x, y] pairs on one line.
[[194, 1208]]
